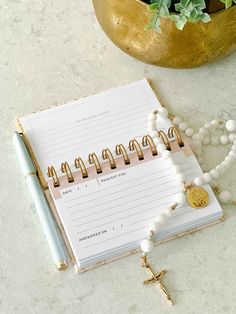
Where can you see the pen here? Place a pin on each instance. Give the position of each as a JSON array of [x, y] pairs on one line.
[[40, 202]]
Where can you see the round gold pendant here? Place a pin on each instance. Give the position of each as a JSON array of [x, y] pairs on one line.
[[197, 197]]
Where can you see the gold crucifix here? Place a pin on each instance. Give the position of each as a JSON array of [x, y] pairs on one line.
[[156, 278]]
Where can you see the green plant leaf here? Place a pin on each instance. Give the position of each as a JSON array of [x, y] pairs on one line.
[[186, 11], [228, 3], [205, 18], [181, 23], [152, 7]]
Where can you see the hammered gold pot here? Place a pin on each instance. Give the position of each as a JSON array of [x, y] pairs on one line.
[[124, 22]]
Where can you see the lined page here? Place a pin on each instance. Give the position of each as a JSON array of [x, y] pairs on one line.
[[83, 126], [111, 211]]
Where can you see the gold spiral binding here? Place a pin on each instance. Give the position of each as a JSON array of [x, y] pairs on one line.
[[106, 154], [147, 140], [174, 131], [65, 168], [93, 159], [120, 149], [80, 164], [134, 145], [53, 174], [164, 138]]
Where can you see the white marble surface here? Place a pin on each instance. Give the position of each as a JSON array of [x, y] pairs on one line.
[[54, 51]]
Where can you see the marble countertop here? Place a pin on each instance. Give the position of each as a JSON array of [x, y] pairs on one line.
[[55, 51]]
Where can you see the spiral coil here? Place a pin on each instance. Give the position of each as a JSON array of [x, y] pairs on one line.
[[80, 164], [93, 159], [65, 168], [164, 138], [147, 140], [120, 150], [173, 131], [107, 155], [134, 145], [53, 174]]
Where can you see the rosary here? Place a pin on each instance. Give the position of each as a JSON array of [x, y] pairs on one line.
[[193, 192]]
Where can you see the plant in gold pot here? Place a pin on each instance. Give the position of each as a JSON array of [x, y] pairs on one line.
[[170, 33]]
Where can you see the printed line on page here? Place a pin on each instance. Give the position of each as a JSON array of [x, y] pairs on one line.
[[88, 136], [118, 236], [121, 198], [95, 122]]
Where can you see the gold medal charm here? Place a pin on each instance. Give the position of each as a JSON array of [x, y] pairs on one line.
[[197, 197]]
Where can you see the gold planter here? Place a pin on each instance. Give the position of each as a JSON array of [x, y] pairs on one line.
[[124, 22]]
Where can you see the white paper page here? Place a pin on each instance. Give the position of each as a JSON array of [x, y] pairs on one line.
[[113, 210], [83, 126]]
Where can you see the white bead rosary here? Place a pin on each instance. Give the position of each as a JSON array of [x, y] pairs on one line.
[[202, 137]]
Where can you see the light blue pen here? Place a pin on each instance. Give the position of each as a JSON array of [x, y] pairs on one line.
[[42, 207]]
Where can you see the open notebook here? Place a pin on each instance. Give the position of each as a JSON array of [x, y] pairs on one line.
[[105, 206]]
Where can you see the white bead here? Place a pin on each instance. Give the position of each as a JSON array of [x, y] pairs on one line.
[[166, 154], [146, 246], [224, 139], [152, 117], [231, 137], [161, 218], [209, 126], [224, 166], [195, 137], [232, 154], [168, 212], [214, 140], [215, 173], [180, 198], [153, 226], [207, 177], [229, 159], [157, 140], [206, 140], [161, 147], [177, 120], [183, 126], [225, 197], [189, 132], [180, 177], [198, 181], [231, 125], [206, 125], [198, 136], [215, 123], [220, 169], [163, 112], [203, 131]]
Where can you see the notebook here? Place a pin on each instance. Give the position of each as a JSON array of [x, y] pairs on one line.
[[104, 202]]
